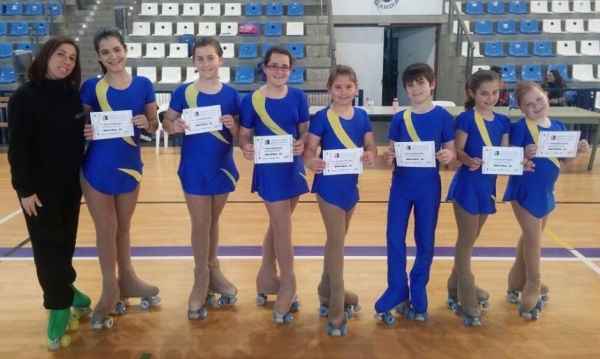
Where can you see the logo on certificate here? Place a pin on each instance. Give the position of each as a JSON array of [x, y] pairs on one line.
[[385, 4]]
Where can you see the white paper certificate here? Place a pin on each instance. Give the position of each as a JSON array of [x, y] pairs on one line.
[[202, 119], [112, 124], [561, 144], [273, 149], [342, 162], [502, 161], [415, 154]]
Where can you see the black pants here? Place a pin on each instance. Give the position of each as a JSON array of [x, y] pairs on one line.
[[53, 233]]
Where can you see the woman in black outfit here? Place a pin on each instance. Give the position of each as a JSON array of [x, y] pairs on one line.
[[555, 81], [45, 154]]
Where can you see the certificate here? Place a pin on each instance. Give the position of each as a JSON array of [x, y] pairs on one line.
[[502, 161], [112, 124], [415, 154], [273, 149], [561, 144], [202, 119], [342, 162]]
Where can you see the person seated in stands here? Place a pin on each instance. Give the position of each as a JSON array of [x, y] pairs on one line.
[[553, 85], [503, 100]]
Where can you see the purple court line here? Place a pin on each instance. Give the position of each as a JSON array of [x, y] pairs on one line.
[[306, 251]]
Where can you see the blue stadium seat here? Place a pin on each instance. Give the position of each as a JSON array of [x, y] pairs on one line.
[[518, 7], [40, 27], [506, 27], [530, 27], [3, 28], [295, 9], [296, 49], [531, 73], [296, 75], [484, 27], [53, 8], [19, 28], [274, 9], [509, 73], [494, 49], [272, 29], [518, 49], [543, 48], [247, 51], [6, 50], [265, 48], [25, 46], [244, 75], [189, 40], [496, 7], [34, 8], [253, 9], [14, 8], [7, 75], [562, 70], [474, 8]]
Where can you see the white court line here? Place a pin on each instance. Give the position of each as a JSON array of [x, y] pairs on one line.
[[159, 258], [7, 218], [587, 261]]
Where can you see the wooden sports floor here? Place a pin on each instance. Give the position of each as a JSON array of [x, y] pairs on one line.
[[568, 327]]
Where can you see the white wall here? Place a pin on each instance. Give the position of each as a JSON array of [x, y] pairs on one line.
[[362, 49], [387, 7]]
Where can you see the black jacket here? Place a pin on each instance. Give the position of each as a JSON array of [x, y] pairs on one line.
[[45, 123]]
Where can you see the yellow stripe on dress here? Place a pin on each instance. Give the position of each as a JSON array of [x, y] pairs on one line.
[[535, 134], [191, 97], [101, 95], [410, 127], [336, 125], [230, 176], [259, 103], [480, 122], [133, 173]]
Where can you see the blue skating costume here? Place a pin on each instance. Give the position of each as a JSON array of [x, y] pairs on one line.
[[474, 191], [418, 188], [114, 166], [269, 117], [207, 166], [534, 191], [337, 133]]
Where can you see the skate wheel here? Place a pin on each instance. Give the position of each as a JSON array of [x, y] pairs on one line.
[[485, 304], [456, 308], [108, 322], [198, 314], [450, 303], [334, 332], [466, 321], [295, 306], [288, 317], [73, 325], [357, 307], [75, 314], [155, 300], [65, 341], [261, 300], [513, 296], [210, 299], [535, 314], [545, 297], [389, 319], [120, 307], [540, 305], [144, 304], [223, 301], [343, 329], [323, 310]]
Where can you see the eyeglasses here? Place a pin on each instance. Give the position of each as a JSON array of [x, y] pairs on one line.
[[275, 68]]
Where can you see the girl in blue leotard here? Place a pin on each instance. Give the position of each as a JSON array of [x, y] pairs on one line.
[[206, 170], [472, 193], [337, 127], [277, 109], [532, 197], [112, 171]]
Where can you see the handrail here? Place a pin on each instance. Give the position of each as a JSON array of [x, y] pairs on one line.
[[454, 11], [332, 48]]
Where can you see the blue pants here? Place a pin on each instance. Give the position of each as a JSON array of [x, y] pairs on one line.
[[425, 197]]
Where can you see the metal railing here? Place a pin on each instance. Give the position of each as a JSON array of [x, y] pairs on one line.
[[455, 14], [332, 47]]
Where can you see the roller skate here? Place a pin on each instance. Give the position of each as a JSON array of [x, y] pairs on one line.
[[267, 283], [482, 299], [387, 317], [408, 312], [350, 304], [513, 294], [81, 304], [220, 285], [531, 305], [468, 306], [136, 288], [59, 321], [109, 302], [199, 296], [286, 296]]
